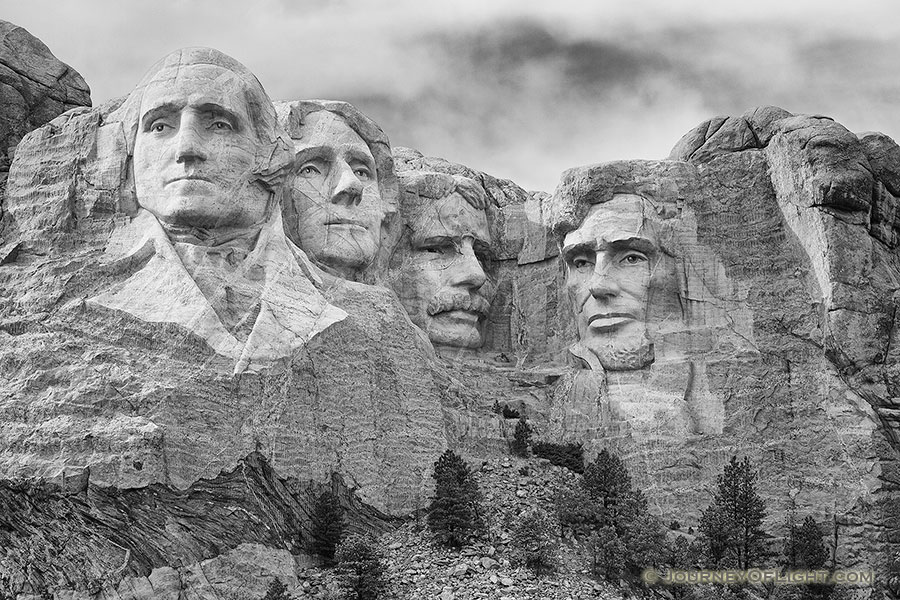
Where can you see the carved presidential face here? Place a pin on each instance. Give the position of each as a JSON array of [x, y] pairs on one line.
[[335, 194], [195, 150], [443, 284], [609, 262]]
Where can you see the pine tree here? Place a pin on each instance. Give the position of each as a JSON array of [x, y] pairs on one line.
[[277, 591], [608, 554], [360, 568], [533, 542], [733, 523], [327, 525], [804, 547], [453, 515], [607, 481], [521, 437]]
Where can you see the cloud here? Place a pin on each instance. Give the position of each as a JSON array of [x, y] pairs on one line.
[[522, 89]]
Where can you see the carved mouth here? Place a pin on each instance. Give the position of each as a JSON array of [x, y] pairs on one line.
[[189, 178], [609, 321], [345, 222]]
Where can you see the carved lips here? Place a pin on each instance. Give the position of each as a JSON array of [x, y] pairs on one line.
[[609, 321]]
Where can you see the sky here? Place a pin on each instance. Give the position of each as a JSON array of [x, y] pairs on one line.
[[520, 89]]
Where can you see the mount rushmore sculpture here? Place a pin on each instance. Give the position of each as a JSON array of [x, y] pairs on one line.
[[211, 300]]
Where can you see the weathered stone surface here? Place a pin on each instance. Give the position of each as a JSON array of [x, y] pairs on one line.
[[35, 87], [107, 385]]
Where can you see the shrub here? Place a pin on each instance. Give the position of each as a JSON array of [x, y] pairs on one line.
[[533, 543], [674, 525], [360, 568], [453, 515], [575, 510], [570, 456], [510, 413], [277, 591], [327, 525], [521, 438]]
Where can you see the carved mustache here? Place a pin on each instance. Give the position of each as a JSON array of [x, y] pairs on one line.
[[458, 301]]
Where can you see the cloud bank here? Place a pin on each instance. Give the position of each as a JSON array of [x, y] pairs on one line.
[[521, 90]]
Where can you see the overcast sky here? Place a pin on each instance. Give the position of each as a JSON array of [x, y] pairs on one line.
[[520, 89]]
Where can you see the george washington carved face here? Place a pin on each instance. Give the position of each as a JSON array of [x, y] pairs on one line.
[[196, 147]]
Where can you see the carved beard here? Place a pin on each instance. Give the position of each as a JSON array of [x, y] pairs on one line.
[[631, 357]]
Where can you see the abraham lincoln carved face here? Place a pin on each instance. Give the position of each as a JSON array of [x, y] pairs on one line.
[[610, 259]]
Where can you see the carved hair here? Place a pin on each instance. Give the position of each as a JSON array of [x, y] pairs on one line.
[[421, 186]]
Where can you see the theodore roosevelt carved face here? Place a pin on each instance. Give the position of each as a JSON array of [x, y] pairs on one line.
[[196, 148], [443, 280], [609, 261]]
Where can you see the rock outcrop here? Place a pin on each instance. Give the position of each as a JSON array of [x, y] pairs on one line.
[[35, 87]]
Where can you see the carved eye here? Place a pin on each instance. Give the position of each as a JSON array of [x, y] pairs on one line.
[[221, 125], [633, 258], [362, 173], [582, 262], [158, 126], [309, 170]]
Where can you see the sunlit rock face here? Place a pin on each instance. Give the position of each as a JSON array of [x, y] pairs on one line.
[[36, 88], [763, 251], [162, 337], [342, 185]]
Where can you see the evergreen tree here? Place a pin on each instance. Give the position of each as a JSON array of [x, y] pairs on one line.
[[360, 568], [804, 548], [607, 480], [453, 514], [327, 525], [533, 542], [521, 437], [608, 554], [277, 591], [733, 523]]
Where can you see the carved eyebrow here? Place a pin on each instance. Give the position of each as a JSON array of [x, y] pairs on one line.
[[579, 248], [360, 156], [219, 111], [156, 112], [641, 244], [435, 240], [315, 152]]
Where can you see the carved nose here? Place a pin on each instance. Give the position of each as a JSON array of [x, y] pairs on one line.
[[603, 284], [189, 144], [467, 270], [349, 188]]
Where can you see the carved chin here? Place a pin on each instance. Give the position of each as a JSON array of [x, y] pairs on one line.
[[626, 355], [446, 330]]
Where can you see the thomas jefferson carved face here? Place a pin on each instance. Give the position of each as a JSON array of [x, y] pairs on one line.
[[443, 284], [609, 262], [336, 195], [195, 150]]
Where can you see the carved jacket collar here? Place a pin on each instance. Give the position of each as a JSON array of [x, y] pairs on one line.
[[159, 289]]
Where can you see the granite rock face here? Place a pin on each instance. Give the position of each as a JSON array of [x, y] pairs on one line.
[[181, 373], [35, 87]]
